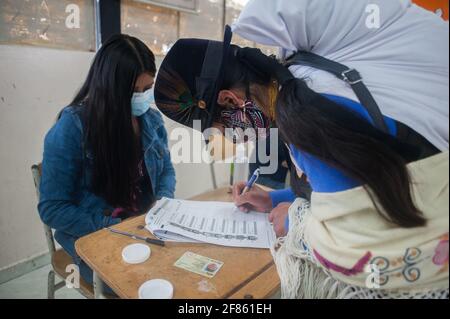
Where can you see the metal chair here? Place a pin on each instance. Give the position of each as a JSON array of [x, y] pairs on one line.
[[59, 258]]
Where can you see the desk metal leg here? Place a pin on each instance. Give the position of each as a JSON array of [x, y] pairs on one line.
[[98, 287], [51, 285]]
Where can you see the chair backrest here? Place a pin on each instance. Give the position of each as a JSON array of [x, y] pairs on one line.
[[36, 170]]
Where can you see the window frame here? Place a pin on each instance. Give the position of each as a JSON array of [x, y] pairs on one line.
[[172, 7]]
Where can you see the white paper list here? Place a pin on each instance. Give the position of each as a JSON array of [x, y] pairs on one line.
[[211, 222]]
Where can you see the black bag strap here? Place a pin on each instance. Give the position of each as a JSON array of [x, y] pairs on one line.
[[349, 75]]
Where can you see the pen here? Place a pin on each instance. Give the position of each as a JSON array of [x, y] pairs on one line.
[[137, 237], [252, 181]]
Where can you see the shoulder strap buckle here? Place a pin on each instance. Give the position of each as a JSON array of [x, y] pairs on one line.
[[352, 76]]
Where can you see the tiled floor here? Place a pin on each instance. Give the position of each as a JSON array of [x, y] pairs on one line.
[[34, 286]]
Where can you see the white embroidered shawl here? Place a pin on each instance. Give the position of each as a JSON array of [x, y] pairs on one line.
[[344, 235]]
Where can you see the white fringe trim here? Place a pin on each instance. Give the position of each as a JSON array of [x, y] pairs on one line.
[[302, 276]]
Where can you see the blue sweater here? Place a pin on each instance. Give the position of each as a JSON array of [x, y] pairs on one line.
[[66, 201]]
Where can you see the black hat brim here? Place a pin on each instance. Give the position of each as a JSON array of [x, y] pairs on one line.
[[190, 79]]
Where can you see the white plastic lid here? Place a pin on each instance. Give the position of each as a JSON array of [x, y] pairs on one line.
[[156, 289], [136, 253]]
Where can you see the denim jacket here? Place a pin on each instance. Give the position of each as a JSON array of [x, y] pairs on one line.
[[66, 203]]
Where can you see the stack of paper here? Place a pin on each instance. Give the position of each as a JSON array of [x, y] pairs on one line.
[[209, 222]]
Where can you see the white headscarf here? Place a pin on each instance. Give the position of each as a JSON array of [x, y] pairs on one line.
[[404, 63]]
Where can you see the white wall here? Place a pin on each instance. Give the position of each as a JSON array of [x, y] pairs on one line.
[[35, 83]]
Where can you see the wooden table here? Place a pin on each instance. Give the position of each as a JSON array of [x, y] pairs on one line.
[[246, 273]]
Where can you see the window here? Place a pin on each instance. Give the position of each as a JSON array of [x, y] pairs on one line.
[[157, 27], [234, 8], [160, 27], [65, 24], [70, 24], [206, 24], [182, 5]]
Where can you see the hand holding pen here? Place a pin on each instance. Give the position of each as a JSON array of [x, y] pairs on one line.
[[252, 181], [249, 197]]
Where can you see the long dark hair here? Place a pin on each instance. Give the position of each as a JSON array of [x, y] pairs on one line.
[[344, 140], [106, 98], [334, 134]]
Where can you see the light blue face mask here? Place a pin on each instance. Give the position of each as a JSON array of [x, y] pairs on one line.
[[140, 103]]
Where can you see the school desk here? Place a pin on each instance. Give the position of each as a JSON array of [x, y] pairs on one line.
[[246, 273]]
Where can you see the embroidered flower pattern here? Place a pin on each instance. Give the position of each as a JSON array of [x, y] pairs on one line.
[[440, 257], [404, 267]]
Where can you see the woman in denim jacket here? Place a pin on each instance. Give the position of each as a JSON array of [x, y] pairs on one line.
[[107, 157]]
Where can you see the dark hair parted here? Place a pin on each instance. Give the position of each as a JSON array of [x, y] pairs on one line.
[[346, 141], [106, 95]]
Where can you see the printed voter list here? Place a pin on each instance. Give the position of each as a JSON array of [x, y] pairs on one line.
[[209, 222]]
